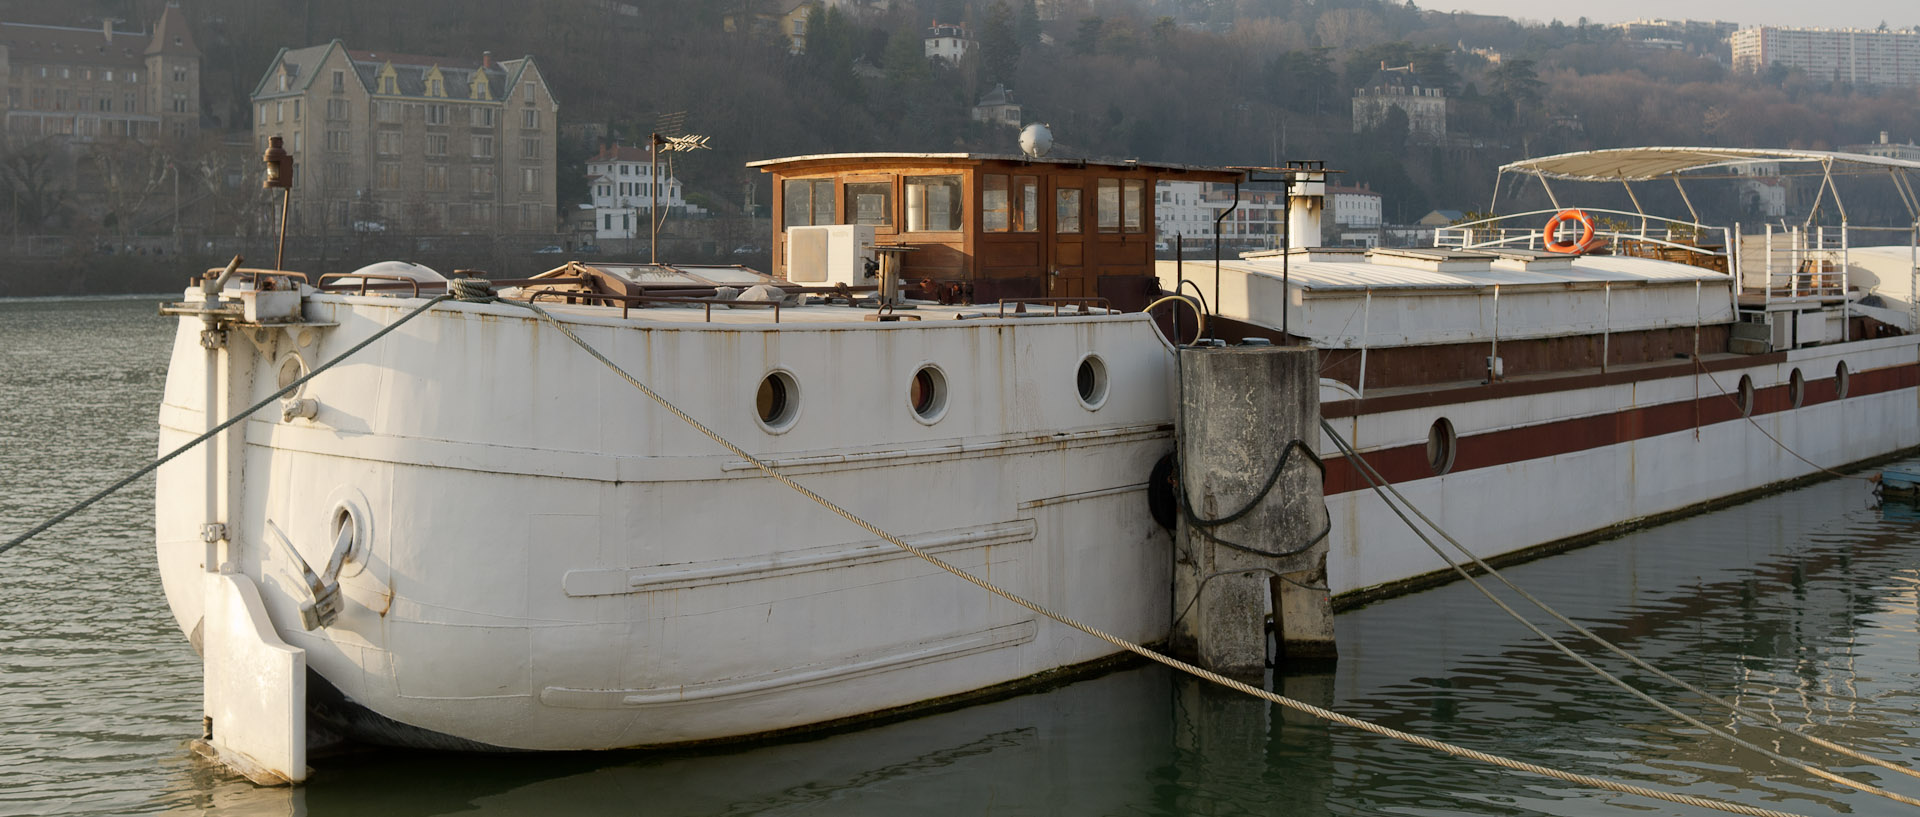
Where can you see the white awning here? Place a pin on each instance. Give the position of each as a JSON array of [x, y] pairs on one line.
[[1641, 164]]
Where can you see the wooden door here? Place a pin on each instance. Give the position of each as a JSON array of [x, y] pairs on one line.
[[1066, 232]]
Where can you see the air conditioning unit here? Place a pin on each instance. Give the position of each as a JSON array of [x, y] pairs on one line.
[[829, 254]]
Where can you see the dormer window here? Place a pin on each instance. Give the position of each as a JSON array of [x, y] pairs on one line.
[[389, 80]]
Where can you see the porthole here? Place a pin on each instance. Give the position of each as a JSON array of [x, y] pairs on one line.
[[1796, 388], [777, 404], [1091, 381], [1441, 442], [927, 394], [1744, 396], [1840, 381]]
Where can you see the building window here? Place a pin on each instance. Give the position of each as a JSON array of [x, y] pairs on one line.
[[385, 111], [870, 203], [338, 141], [335, 175], [530, 117], [336, 109], [296, 105], [482, 146], [180, 73], [436, 178], [806, 202], [389, 143], [1026, 190], [389, 175], [530, 148], [482, 180], [529, 180], [480, 117], [339, 81], [436, 144], [279, 111], [436, 114]]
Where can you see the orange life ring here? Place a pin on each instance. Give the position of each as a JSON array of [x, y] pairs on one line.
[[1586, 242]]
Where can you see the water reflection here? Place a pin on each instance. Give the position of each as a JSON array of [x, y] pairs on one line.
[[1802, 605]]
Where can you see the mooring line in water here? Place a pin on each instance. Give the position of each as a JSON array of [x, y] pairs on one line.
[[1151, 655], [1377, 482], [231, 421], [1762, 429]]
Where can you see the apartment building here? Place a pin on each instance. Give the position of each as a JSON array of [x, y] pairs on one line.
[[621, 181], [1854, 56], [85, 84], [411, 143]]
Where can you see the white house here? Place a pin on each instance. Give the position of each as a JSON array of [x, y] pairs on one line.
[[620, 179], [948, 41]]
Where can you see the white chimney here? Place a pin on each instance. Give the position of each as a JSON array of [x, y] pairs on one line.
[[1306, 198], [1883, 137]]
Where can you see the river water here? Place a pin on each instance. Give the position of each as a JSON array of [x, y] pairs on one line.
[[1802, 604]]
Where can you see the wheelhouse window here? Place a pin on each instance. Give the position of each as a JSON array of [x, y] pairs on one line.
[[1009, 204], [1066, 211], [807, 202], [870, 203], [933, 203], [1107, 206], [1028, 190], [996, 211], [1133, 195]]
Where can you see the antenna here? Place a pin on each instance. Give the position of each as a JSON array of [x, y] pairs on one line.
[[658, 143]]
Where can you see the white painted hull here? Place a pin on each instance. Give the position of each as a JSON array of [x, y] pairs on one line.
[[1518, 505], [557, 563]]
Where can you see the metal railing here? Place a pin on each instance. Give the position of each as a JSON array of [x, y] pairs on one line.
[[1667, 239]]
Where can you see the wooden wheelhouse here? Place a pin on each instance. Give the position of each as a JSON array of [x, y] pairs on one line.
[[987, 227]]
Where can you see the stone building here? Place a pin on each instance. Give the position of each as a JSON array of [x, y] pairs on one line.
[[418, 144], [86, 84], [1425, 106]]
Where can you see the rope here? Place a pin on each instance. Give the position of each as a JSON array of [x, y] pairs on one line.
[[1123, 644], [1376, 482], [1762, 429], [1205, 526], [150, 467]]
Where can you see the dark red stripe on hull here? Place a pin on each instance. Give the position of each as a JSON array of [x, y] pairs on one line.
[[1495, 448]]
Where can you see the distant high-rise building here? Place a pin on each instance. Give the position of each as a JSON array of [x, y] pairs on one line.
[[422, 144], [1840, 55], [86, 84]]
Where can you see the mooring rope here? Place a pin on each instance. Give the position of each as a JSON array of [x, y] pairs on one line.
[[150, 467], [1129, 646], [1377, 482]]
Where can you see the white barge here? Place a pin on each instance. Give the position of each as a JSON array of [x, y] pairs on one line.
[[472, 535]]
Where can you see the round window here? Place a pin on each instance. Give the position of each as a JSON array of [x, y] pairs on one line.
[[1441, 442], [1091, 380], [1840, 381], [1796, 388], [777, 402], [1745, 396], [928, 394]]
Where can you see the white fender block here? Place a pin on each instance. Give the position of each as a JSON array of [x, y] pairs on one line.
[[255, 687]]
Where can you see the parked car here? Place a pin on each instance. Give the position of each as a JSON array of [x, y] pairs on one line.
[[747, 249], [550, 249], [588, 249]]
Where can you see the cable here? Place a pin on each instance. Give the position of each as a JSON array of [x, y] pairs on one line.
[[1121, 643], [150, 467]]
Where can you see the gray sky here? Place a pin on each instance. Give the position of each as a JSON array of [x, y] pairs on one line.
[[1828, 14]]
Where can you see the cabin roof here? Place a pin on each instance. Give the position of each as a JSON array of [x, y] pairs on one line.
[[1336, 270], [771, 165]]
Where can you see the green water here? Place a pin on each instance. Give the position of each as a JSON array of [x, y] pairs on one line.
[[1801, 604]]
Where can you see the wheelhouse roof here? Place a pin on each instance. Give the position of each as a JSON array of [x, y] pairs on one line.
[[1645, 163], [792, 162]]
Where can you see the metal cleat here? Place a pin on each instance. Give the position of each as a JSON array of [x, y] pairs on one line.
[[323, 591]]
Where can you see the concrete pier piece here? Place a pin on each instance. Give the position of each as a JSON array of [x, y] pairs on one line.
[[1245, 549]]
